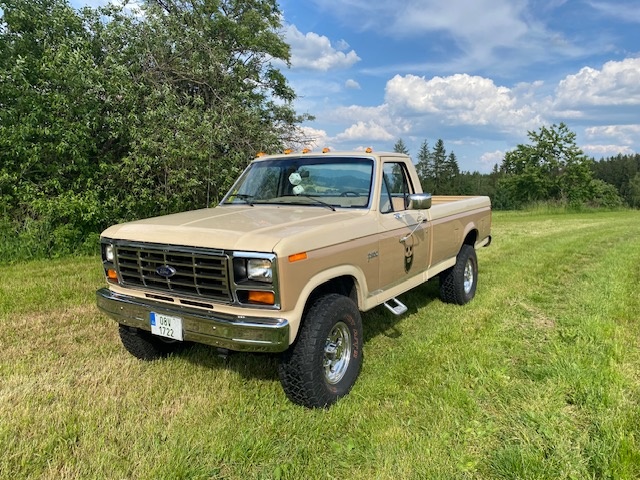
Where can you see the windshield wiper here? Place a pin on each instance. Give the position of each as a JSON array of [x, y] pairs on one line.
[[319, 202], [245, 197]]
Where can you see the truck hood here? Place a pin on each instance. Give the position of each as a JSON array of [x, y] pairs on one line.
[[250, 228]]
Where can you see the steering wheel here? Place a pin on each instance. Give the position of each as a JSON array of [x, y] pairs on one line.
[[349, 194]]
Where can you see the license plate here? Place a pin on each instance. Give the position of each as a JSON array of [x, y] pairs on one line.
[[166, 326]]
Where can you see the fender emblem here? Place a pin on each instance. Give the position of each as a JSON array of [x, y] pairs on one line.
[[166, 271]]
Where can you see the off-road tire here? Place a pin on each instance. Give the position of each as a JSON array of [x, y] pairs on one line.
[[325, 360], [458, 284], [145, 346]]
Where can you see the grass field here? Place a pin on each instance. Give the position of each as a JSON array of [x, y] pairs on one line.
[[538, 377]]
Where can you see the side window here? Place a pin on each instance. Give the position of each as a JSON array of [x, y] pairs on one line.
[[395, 188]]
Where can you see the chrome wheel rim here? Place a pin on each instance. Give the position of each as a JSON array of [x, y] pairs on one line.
[[468, 276], [337, 353]]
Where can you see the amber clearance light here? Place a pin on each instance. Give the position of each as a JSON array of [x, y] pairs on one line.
[[297, 257], [112, 275]]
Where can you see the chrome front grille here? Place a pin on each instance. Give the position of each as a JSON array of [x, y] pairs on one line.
[[192, 273]]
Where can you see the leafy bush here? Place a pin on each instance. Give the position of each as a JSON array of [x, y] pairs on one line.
[[108, 117]]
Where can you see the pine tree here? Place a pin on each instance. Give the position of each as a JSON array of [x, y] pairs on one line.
[[400, 147], [425, 167], [439, 157]]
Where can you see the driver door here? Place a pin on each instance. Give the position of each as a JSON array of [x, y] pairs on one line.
[[403, 233]]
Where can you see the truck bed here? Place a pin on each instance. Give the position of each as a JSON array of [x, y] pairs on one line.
[[446, 205]]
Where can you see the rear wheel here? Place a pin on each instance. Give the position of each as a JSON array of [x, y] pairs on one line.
[[146, 346], [458, 284], [325, 361]]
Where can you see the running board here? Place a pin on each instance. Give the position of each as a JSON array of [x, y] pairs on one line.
[[395, 306]]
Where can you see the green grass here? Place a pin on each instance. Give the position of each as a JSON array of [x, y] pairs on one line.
[[537, 378]]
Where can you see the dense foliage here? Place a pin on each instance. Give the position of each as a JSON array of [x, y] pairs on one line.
[[550, 169], [106, 115], [623, 172]]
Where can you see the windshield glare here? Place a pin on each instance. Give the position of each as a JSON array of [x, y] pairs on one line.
[[335, 181]]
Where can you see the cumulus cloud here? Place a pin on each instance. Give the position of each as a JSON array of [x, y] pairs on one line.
[[616, 84], [315, 52], [380, 116], [606, 150], [370, 130], [489, 159], [460, 99], [622, 133], [352, 84], [315, 138]]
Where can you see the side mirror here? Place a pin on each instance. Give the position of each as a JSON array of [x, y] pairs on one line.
[[419, 201]]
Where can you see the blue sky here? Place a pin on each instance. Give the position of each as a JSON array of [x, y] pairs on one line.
[[477, 74]]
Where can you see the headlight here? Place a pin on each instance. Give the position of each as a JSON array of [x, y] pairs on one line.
[[260, 270], [109, 253]]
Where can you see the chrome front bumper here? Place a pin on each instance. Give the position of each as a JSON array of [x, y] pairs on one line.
[[248, 334]]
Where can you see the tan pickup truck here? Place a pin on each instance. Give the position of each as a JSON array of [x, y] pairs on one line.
[[298, 248]]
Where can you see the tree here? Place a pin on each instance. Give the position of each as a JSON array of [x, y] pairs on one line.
[[400, 147], [450, 175], [634, 191], [105, 116], [439, 159], [51, 117], [424, 167], [552, 167], [619, 171]]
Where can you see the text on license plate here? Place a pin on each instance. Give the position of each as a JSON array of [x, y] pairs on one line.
[[166, 326]]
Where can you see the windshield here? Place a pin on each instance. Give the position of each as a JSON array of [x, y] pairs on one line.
[[333, 182]]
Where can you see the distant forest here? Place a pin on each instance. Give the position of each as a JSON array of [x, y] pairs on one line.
[[611, 181]]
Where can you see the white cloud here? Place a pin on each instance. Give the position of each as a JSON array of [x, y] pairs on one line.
[[380, 117], [627, 13], [316, 138], [616, 84], [315, 52], [606, 150], [342, 45], [352, 84], [489, 159], [460, 99], [468, 22], [502, 34], [369, 130], [623, 133]]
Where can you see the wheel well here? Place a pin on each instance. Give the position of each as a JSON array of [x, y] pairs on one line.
[[471, 238], [345, 285]]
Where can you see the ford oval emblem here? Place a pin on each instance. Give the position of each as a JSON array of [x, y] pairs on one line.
[[166, 271]]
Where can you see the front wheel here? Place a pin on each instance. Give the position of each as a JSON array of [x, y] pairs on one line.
[[458, 284], [325, 361]]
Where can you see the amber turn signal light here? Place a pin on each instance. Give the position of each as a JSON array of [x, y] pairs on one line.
[[265, 298]]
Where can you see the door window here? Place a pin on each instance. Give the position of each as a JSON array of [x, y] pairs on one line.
[[396, 188]]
